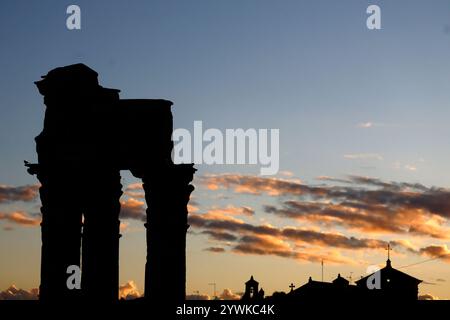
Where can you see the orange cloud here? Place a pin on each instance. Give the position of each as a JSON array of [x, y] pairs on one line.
[[227, 294], [135, 190], [427, 296], [20, 218], [129, 291], [245, 238], [132, 209], [232, 210], [14, 293], [365, 218], [356, 202], [437, 251], [293, 242]]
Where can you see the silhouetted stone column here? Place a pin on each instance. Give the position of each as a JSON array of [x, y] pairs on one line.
[[167, 191], [79, 176], [101, 233], [60, 231]]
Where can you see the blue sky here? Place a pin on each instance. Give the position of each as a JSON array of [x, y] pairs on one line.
[[310, 68]]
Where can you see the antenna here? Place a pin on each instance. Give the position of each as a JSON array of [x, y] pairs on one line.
[[214, 285], [389, 250], [322, 270]]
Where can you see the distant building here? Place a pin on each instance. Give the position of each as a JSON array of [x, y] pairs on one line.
[[387, 284], [394, 284], [251, 291], [338, 289]]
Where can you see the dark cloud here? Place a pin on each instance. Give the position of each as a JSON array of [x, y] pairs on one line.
[[282, 242], [221, 236], [363, 217], [261, 245], [289, 233], [215, 249], [436, 252], [363, 203], [21, 193], [297, 243]]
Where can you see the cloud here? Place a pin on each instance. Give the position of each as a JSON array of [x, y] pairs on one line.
[[135, 186], [135, 190], [410, 167], [227, 294], [436, 251], [264, 245], [129, 291], [221, 236], [363, 156], [215, 249], [370, 124], [332, 179], [22, 193], [123, 227], [357, 203], [295, 234], [132, 209], [364, 217], [192, 208], [362, 203], [20, 218], [234, 211], [365, 125], [14, 293], [198, 296], [427, 296], [255, 185], [286, 173], [245, 238]]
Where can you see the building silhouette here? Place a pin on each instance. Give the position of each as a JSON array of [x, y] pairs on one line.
[[89, 135], [386, 284], [394, 284], [251, 293]]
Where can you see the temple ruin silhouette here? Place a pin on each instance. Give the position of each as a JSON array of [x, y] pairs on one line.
[[89, 135]]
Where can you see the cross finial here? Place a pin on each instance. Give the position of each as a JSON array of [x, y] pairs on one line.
[[389, 254], [292, 286]]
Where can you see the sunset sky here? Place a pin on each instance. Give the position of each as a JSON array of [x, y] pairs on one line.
[[363, 119]]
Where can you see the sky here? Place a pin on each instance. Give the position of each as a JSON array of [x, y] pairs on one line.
[[364, 112]]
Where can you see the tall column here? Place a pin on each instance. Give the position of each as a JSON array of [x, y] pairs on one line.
[[101, 233], [61, 234], [167, 192]]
